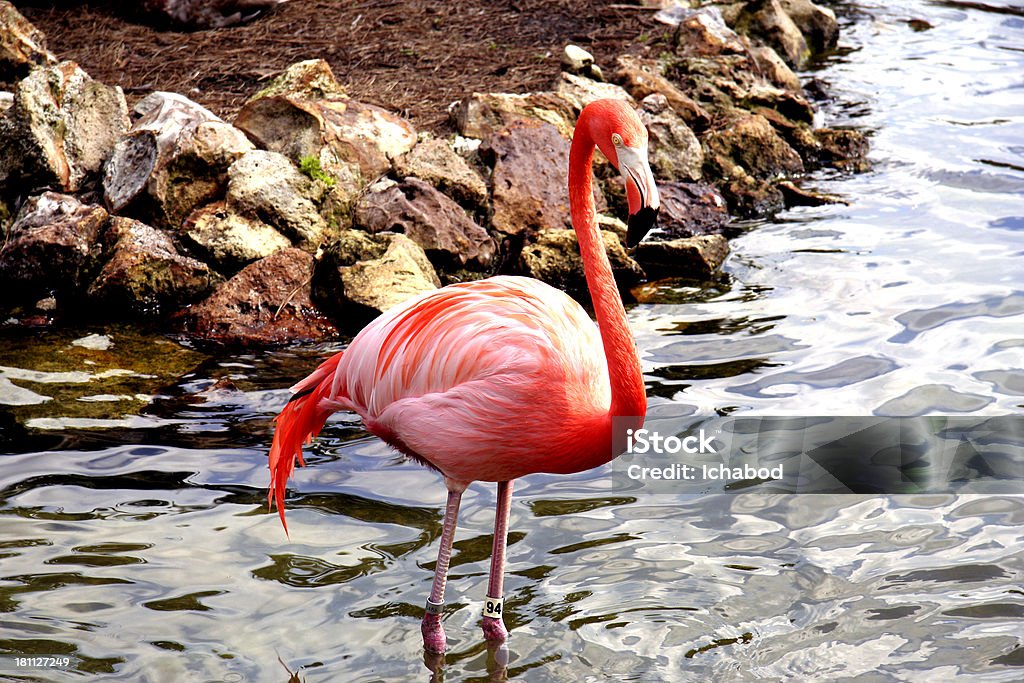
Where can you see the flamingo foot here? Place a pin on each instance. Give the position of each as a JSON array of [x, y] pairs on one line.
[[434, 639], [494, 629]]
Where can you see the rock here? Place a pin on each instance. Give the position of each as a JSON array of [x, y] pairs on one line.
[[361, 276], [172, 160], [229, 241], [204, 14], [687, 210], [750, 142], [642, 77], [483, 115], [675, 153], [787, 102], [309, 80], [528, 184], [818, 24], [22, 45], [335, 130], [774, 68], [750, 197], [845, 149], [798, 196], [690, 257], [432, 220], [554, 257], [576, 60], [267, 302], [436, 162], [146, 274], [60, 129], [266, 186], [52, 247], [766, 20], [579, 92], [704, 33]]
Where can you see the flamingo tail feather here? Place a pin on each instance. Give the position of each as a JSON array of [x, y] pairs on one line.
[[300, 420]]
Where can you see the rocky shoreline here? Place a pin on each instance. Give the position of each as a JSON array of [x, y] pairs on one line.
[[312, 212]]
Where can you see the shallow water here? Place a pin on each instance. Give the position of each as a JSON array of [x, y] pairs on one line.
[[136, 540]]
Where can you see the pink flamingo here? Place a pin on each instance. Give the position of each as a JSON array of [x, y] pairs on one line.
[[498, 378]]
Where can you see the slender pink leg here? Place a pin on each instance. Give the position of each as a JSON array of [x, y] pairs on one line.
[[494, 628], [433, 633]]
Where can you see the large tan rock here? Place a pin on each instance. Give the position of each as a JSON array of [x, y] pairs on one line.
[[361, 275], [267, 186], [674, 151], [750, 142], [553, 256], [60, 129], [304, 113], [229, 241], [481, 115], [818, 24]]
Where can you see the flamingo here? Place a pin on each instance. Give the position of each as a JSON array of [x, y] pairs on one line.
[[499, 378]]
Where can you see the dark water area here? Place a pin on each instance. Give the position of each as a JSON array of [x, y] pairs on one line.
[[135, 540]]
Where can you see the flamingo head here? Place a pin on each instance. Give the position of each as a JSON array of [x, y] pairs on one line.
[[620, 135]]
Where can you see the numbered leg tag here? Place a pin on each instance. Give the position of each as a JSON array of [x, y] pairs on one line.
[[493, 607]]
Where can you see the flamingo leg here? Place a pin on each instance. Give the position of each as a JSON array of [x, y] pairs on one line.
[[433, 633], [493, 626]]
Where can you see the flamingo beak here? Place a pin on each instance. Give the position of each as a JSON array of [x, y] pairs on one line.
[[641, 193]]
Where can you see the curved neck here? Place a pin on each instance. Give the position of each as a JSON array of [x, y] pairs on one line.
[[627, 385]]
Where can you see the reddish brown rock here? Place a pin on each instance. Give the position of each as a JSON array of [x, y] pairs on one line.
[[528, 186], [267, 302], [705, 34], [52, 249], [145, 274], [689, 209], [432, 220]]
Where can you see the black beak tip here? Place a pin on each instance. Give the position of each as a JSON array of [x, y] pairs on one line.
[[639, 224]]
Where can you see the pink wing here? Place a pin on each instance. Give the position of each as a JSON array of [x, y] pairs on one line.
[[484, 380]]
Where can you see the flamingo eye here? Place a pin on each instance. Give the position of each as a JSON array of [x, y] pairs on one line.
[[616, 139]]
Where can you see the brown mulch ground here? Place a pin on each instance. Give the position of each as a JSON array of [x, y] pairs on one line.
[[413, 57]]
